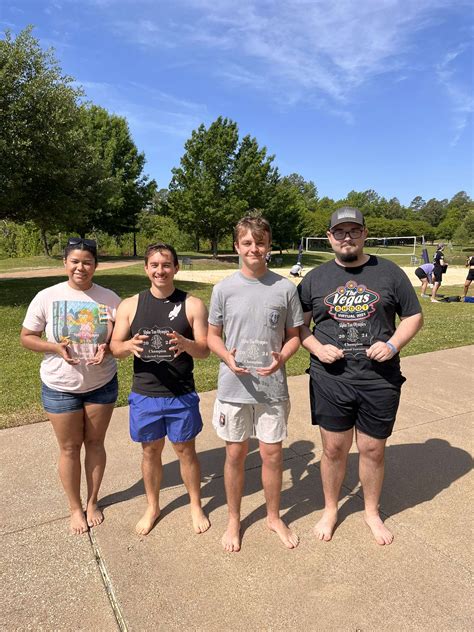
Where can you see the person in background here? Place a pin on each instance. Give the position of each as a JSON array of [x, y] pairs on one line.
[[438, 270], [78, 373], [425, 274], [470, 275]]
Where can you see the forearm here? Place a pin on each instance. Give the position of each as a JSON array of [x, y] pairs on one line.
[[196, 348], [120, 348], [290, 347], [406, 330], [35, 343], [217, 346], [308, 341]]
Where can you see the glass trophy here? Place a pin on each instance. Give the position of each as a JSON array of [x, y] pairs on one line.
[[253, 354], [355, 338], [157, 347]]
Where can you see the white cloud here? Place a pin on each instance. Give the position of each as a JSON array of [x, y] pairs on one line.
[[461, 97], [329, 47]]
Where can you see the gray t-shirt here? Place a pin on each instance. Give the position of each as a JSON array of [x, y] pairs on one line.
[[254, 314]]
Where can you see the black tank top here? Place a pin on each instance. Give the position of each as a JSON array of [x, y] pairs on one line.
[[163, 379]]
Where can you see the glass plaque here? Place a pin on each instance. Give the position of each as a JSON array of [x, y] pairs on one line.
[[253, 354], [355, 338], [157, 347]]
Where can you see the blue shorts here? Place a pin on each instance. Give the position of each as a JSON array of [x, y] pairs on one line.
[[59, 402], [152, 418]]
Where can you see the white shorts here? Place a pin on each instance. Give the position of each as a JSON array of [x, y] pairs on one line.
[[239, 422]]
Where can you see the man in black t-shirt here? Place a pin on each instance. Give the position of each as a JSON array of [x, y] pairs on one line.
[[439, 267], [355, 376], [470, 275]]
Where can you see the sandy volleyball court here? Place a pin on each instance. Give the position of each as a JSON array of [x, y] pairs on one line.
[[454, 276]]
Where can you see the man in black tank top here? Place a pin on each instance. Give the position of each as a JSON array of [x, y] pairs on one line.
[[164, 328]]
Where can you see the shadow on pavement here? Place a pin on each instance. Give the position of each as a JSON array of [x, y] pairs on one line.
[[414, 473]]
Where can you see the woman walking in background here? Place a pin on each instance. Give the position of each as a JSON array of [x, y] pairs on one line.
[[78, 373]]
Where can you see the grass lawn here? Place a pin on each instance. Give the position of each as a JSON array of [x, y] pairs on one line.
[[446, 325]]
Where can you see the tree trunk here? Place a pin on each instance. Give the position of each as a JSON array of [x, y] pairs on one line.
[[134, 242], [45, 242], [214, 247], [197, 243]]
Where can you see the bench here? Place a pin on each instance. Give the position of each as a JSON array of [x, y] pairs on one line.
[[186, 262]]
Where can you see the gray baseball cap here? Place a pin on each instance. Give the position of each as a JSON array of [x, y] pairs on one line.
[[346, 214]]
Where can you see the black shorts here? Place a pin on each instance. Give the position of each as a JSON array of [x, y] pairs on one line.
[[437, 274], [338, 406], [421, 274], [470, 275]]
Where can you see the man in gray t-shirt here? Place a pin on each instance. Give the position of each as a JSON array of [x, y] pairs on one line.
[[254, 324]]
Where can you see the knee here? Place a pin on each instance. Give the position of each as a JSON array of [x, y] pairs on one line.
[[335, 452], [92, 444], [372, 453], [152, 451], [185, 453], [272, 458], [236, 458], [71, 450]]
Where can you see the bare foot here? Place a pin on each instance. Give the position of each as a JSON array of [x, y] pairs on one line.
[[78, 524], [381, 534], [324, 528], [286, 535], [94, 515], [147, 521], [200, 520], [231, 538]]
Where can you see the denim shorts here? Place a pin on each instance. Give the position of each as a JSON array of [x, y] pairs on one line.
[[152, 418], [59, 402]]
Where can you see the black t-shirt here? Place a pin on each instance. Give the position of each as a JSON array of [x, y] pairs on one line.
[[354, 307], [437, 258]]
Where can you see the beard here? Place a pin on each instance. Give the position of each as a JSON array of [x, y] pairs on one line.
[[349, 257]]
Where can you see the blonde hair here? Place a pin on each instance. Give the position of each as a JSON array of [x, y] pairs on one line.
[[258, 226]]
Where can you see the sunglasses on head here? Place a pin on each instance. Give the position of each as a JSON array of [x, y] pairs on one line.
[[79, 241]]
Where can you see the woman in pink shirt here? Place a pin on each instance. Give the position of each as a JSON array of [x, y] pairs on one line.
[[71, 324]]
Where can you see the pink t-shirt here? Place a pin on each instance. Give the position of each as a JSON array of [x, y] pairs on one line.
[[86, 320]]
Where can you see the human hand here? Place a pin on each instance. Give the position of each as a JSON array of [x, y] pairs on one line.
[[178, 343], [277, 362], [62, 349], [380, 352], [230, 361], [135, 345], [99, 355], [329, 354]]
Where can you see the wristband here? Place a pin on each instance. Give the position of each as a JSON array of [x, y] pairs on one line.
[[392, 347]]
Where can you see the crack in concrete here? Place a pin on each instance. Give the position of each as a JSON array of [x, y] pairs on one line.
[[109, 589]]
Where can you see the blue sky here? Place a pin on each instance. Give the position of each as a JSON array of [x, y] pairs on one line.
[[352, 94]]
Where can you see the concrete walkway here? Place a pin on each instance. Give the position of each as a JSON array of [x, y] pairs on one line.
[[175, 580]]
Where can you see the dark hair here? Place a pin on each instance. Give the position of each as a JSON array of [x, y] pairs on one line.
[[159, 247], [258, 226], [78, 243]]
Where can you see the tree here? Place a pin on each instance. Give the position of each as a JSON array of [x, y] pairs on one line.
[[417, 204], [218, 181], [285, 213], [46, 167], [125, 190], [434, 211]]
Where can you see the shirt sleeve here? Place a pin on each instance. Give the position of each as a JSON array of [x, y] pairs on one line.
[[408, 303], [216, 312], [36, 315], [304, 292], [294, 314]]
